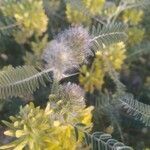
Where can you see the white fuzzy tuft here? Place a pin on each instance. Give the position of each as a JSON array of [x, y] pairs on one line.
[[75, 93], [68, 50]]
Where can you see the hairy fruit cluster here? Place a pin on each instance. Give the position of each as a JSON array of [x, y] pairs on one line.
[[68, 50]]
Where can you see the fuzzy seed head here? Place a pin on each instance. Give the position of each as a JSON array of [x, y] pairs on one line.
[[78, 40], [75, 94], [57, 56], [68, 50]]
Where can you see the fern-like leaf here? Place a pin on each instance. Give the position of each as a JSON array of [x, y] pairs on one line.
[[107, 35], [21, 80], [102, 141], [135, 108], [138, 50], [136, 4]]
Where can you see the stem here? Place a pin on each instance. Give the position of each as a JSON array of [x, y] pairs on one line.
[[9, 26]]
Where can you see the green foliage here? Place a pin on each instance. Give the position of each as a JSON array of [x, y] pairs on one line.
[[28, 78], [138, 110], [138, 50], [100, 140], [21, 80], [101, 53], [136, 3], [107, 35]]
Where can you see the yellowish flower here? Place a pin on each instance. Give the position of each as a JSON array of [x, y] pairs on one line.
[[75, 16], [109, 129], [64, 136], [93, 78], [135, 35], [86, 116], [94, 7], [147, 82], [116, 55], [133, 16], [25, 13], [38, 129]]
